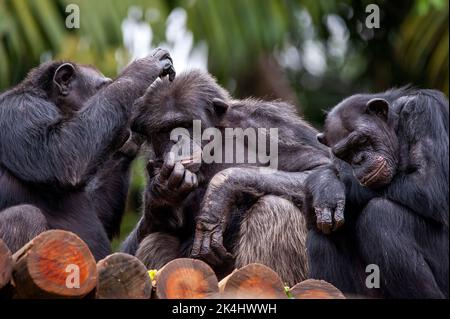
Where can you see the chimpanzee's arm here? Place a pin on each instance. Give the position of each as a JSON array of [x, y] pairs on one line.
[[164, 202], [162, 219], [422, 185], [223, 191], [36, 151], [108, 189]]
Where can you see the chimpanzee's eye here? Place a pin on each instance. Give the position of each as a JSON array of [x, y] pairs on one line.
[[363, 139]]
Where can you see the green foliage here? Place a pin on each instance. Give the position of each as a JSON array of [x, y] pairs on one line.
[[31, 31], [237, 32], [424, 44]]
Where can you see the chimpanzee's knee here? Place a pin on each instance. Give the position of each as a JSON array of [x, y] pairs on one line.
[[20, 224], [273, 233], [157, 249]]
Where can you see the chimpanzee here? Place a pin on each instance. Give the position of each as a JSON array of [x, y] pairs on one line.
[[60, 162], [391, 152], [206, 209]]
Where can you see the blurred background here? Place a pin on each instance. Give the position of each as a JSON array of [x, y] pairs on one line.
[[312, 53]]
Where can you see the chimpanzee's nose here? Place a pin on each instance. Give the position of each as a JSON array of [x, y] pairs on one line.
[[358, 159]]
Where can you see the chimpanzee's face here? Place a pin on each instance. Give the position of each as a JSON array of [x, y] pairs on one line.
[[358, 133], [74, 84], [170, 128], [174, 117]]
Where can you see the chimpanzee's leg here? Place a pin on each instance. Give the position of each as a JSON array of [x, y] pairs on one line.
[[157, 249], [20, 224], [410, 253], [273, 233], [333, 258]]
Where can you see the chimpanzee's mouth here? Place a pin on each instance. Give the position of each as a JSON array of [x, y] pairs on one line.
[[369, 178]]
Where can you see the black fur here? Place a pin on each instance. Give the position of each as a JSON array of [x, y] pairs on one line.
[[61, 158], [236, 190], [399, 221]]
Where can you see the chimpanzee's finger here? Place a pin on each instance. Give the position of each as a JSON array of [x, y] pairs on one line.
[[198, 243], [163, 54], [167, 66], [218, 250], [168, 69], [151, 168], [166, 55], [155, 51], [168, 165], [324, 219], [194, 180], [339, 215], [188, 182], [205, 248], [172, 73], [176, 178]]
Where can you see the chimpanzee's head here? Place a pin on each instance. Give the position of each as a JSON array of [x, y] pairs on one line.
[[68, 85], [166, 106], [359, 132]]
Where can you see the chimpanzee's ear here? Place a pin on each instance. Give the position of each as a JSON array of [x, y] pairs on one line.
[[321, 138], [378, 107], [220, 106], [62, 77]]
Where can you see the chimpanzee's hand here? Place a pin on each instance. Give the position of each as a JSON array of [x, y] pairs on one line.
[[157, 64], [132, 145], [172, 184], [327, 195], [165, 63], [208, 244]]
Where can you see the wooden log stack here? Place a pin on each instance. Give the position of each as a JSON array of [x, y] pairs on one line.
[[58, 264]]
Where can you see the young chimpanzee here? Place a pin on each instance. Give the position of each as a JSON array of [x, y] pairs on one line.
[[206, 209], [57, 127], [391, 150]]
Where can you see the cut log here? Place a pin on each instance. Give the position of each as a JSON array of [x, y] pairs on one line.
[[254, 281], [223, 282], [122, 276], [186, 278], [5, 264], [315, 289], [55, 264]]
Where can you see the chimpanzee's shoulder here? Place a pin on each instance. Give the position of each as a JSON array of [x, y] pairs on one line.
[[426, 102], [271, 108]]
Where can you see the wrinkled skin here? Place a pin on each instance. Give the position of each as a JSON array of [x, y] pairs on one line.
[[327, 199], [367, 142]]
